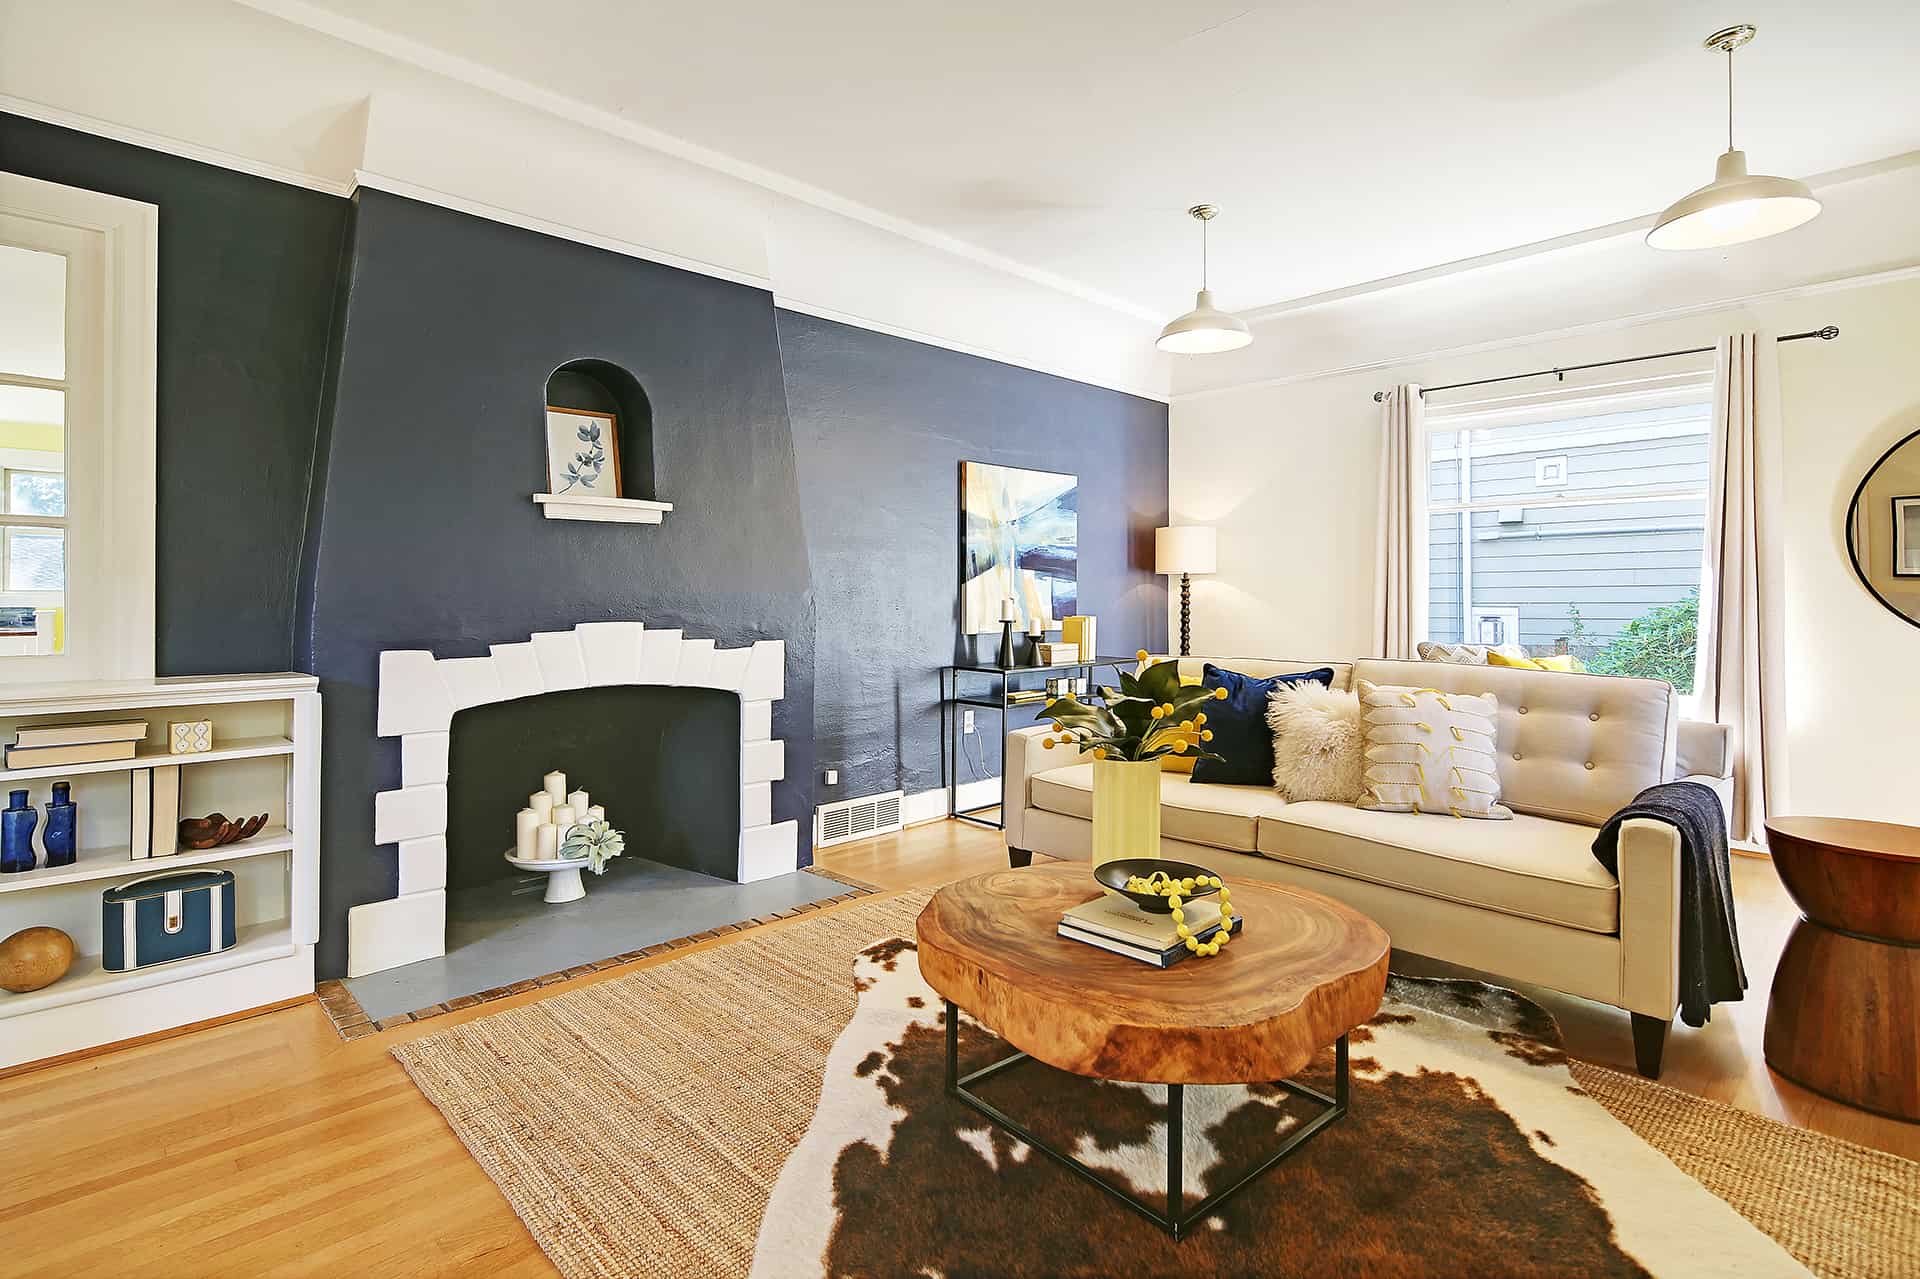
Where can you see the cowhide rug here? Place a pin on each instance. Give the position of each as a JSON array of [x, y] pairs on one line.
[[1468, 1150]]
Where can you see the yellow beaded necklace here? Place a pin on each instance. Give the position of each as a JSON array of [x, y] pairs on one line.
[[1176, 891]]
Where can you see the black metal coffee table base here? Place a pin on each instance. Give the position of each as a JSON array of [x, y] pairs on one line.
[[1171, 1220]]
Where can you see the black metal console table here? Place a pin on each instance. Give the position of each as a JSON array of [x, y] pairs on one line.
[[985, 685]]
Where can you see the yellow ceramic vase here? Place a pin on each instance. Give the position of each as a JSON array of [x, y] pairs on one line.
[[1126, 809]]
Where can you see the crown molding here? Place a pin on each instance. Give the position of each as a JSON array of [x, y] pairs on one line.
[[1577, 239], [171, 146], [560, 230], [1137, 390], [1893, 275], [477, 76]]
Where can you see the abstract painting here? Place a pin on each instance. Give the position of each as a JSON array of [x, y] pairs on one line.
[[1021, 542]]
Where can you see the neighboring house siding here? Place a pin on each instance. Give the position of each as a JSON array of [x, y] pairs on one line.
[[1615, 561]]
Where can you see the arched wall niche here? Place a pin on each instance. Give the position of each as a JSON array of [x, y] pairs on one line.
[[601, 386]]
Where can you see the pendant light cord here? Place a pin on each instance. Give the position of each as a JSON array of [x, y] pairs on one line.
[[1203, 254], [1729, 99]]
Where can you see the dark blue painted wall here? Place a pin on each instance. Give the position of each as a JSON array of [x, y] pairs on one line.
[[428, 537], [880, 427], [365, 384], [247, 271]]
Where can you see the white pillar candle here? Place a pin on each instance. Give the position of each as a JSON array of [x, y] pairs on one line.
[[546, 841], [1008, 611], [579, 801], [557, 787], [525, 824], [541, 803], [596, 814], [564, 817]]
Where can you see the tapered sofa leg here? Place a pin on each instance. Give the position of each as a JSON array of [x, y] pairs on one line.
[[1649, 1043], [1018, 857]]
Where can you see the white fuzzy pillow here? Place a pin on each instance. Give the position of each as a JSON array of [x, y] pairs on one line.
[[1319, 743]]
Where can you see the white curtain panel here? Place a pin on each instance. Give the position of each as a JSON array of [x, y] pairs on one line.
[[1742, 595], [1400, 562]]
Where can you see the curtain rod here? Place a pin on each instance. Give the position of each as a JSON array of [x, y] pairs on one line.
[[1827, 334]]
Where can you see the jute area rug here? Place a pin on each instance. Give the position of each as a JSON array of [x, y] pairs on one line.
[[775, 1107]]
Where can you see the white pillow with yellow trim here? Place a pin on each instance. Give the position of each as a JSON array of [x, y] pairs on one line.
[[1430, 752]]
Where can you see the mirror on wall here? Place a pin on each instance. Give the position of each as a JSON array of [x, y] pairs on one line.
[[1883, 529]]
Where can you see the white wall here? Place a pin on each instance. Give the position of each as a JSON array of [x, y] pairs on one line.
[[226, 83], [1289, 473]]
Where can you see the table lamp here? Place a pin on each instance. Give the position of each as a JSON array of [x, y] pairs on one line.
[[1185, 549]]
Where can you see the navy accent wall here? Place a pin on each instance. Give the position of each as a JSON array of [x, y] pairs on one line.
[[428, 537], [247, 272], [881, 425]]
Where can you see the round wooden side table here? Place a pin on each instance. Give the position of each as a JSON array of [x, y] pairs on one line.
[[1844, 1017]]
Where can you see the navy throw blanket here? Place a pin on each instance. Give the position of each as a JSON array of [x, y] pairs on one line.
[[1710, 968]]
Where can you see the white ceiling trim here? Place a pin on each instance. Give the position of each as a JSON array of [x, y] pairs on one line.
[[171, 146], [1617, 230], [496, 213], [966, 348], [1615, 324], [426, 58]]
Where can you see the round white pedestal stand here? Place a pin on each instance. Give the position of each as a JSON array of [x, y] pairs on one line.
[[563, 876]]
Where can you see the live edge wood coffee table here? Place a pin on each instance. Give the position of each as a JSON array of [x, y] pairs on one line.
[[1844, 1017], [1303, 972]]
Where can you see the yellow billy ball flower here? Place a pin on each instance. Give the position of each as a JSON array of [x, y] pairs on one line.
[[1047, 743], [1166, 708], [1200, 718], [1186, 885], [1140, 656], [1186, 726], [1219, 694], [1179, 748], [1206, 734], [1099, 752], [1156, 713]]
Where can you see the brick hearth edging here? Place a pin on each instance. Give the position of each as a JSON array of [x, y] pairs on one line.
[[350, 1021]]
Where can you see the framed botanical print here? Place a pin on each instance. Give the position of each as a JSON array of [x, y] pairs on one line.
[[583, 453], [1906, 536]]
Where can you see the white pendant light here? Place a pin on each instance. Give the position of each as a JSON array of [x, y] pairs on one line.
[[1205, 329], [1736, 206]]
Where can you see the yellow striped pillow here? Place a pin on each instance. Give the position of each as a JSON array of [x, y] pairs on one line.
[[1430, 752]]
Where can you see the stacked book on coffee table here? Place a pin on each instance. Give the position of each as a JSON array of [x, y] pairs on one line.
[[1117, 925]]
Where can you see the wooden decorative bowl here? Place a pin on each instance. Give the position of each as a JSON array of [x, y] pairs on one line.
[[216, 829], [1113, 877]]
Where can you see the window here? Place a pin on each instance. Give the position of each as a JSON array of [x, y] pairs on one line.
[[76, 433], [1575, 523]]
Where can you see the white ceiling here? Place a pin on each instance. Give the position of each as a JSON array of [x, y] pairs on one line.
[[1344, 143]]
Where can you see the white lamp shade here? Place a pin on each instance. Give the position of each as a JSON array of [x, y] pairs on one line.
[[1204, 330], [1185, 548], [1733, 208]]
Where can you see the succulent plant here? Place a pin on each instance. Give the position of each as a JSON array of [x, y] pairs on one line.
[[598, 842]]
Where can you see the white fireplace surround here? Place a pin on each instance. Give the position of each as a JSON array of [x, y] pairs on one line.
[[419, 694]]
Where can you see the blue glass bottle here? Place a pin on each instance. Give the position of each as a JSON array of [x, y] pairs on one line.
[[16, 834], [62, 833]]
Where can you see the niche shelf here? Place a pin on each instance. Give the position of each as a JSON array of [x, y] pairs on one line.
[[602, 389]]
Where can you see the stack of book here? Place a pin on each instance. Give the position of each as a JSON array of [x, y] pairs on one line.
[[56, 744], [1078, 630], [1027, 697], [1117, 925]]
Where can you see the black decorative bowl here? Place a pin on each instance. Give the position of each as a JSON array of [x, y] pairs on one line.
[[1113, 876]]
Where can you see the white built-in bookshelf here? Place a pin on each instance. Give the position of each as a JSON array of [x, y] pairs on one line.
[[265, 759]]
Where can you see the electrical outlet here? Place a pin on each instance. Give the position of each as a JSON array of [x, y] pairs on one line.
[[966, 721], [833, 777]]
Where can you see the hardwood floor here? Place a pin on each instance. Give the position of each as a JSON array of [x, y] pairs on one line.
[[269, 1147]]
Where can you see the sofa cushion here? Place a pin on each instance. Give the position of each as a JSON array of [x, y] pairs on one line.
[[1258, 667], [1217, 816], [1573, 747], [1532, 867]]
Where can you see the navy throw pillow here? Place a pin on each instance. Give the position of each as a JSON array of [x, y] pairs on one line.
[[1239, 724]]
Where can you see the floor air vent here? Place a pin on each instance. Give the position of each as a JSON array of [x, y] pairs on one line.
[[847, 819]]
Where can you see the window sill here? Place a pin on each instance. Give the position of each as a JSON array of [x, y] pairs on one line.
[[606, 510]]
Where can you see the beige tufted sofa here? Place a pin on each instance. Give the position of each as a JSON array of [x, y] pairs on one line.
[[1524, 898]]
